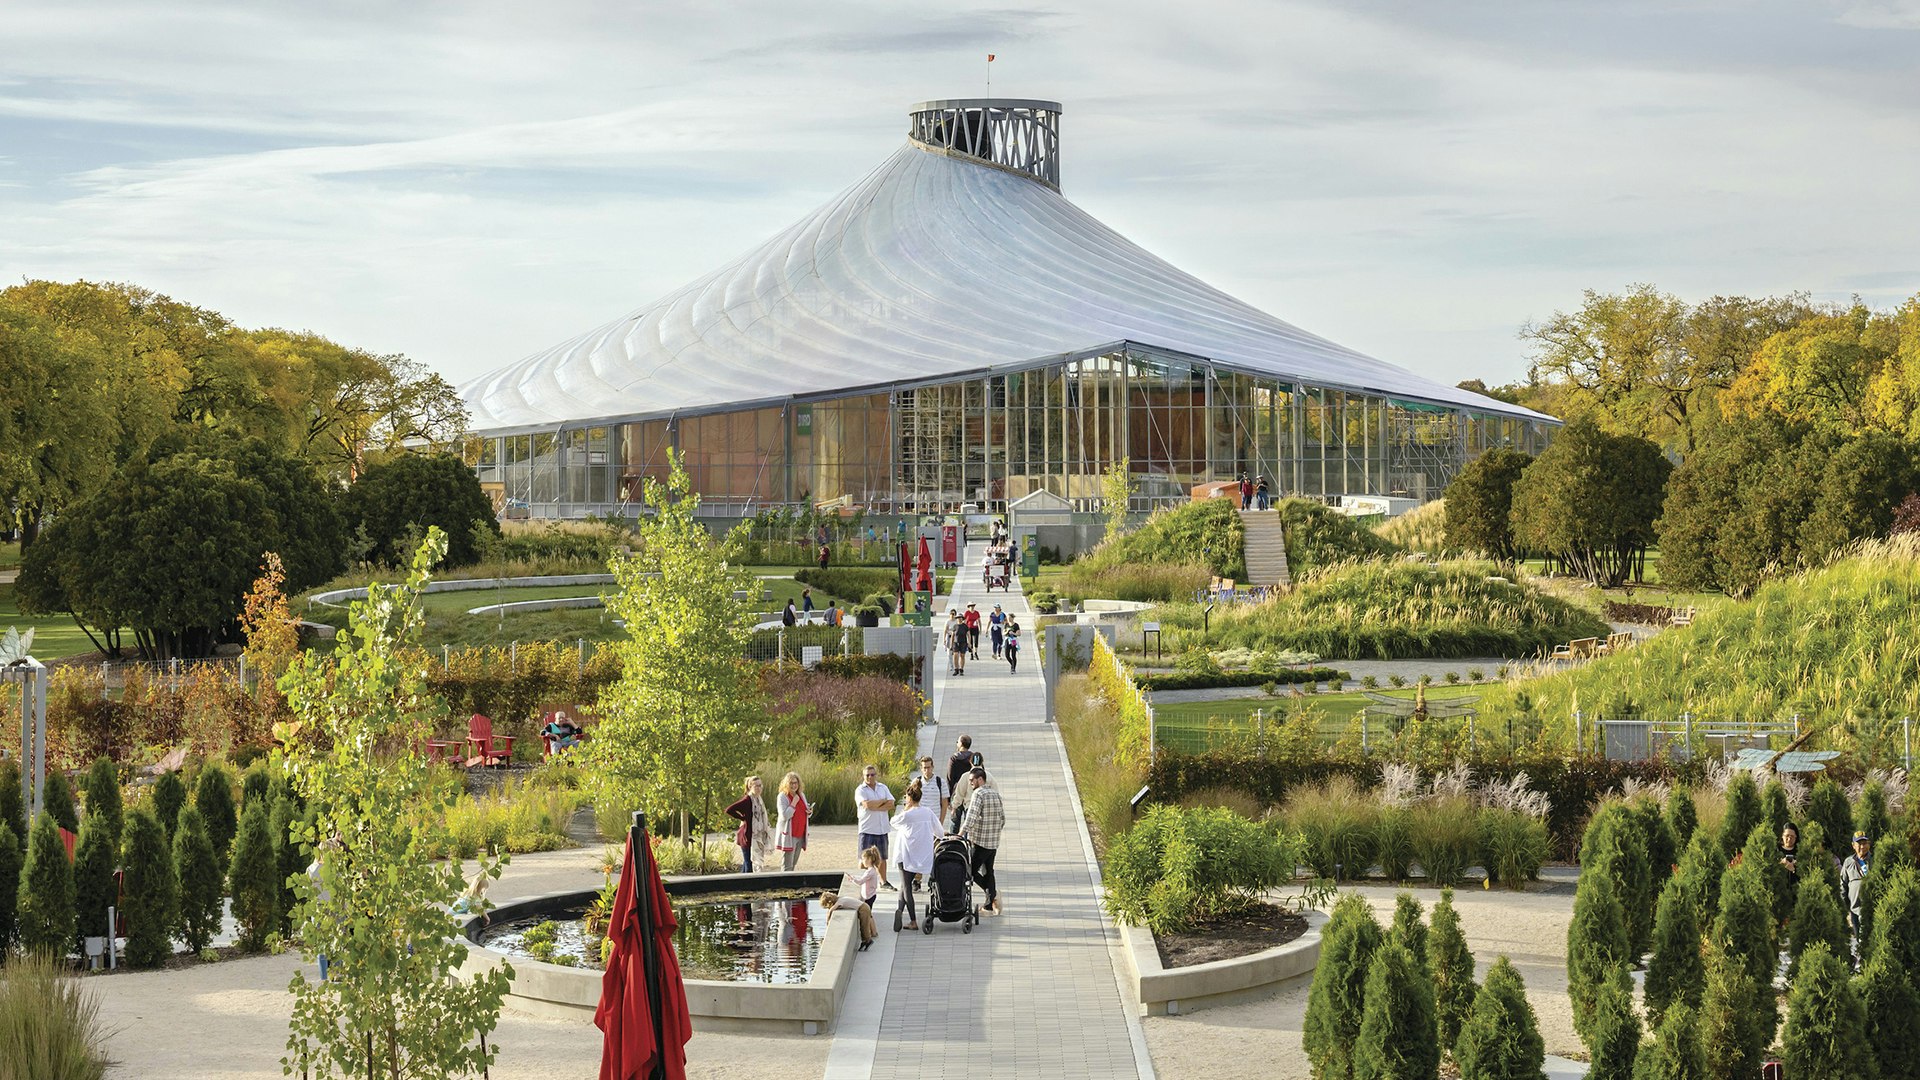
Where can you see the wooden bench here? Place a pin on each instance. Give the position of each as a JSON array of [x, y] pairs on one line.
[[1682, 616], [1577, 649], [1615, 643]]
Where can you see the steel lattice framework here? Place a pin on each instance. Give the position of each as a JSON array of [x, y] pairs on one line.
[[1023, 136]]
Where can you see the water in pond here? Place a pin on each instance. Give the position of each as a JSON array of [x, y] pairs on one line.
[[758, 937]]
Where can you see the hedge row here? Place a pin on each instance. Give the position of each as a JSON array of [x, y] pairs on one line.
[[1572, 786], [1204, 680]]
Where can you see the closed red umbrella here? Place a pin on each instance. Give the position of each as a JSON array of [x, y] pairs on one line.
[[643, 1004], [923, 580]]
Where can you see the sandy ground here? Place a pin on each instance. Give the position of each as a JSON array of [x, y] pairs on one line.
[[1262, 1038], [228, 1021]]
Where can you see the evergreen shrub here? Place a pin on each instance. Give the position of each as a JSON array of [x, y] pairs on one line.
[[12, 862], [169, 795], [1743, 813], [1682, 817], [1817, 920], [202, 881], [149, 891], [57, 798], [45, 908], [1397, 1023], [13, 800], [1735, 1026], [104, 800], [1893, 1019], [1451, 964], [1596, 947], [213, 797], [1501, 1037], [1410, 930], [1338, 992], [1827, 804], [1675, 1053], [255, 876], [94, 859], [289, 858], [1675, 973], [1826, 1032], [1613, 1035]]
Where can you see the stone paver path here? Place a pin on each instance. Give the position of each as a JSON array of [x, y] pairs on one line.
[[1031, 993]]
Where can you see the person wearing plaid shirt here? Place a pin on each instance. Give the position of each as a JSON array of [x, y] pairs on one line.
[[986, 817]]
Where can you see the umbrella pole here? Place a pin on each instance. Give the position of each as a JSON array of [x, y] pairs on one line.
[[649, 961]]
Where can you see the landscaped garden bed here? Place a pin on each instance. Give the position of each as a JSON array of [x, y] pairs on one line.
[[1258, 927]]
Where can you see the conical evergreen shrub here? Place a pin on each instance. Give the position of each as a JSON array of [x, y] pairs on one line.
[[1675, 973], [94, 858], [169, 796], [1774, 810], [1826, 1033], [288, 857], [1896, 918], [1701, 868], [13, 800], [1501, 1037], [1596, 945], [57, 799], [1397, 1024], [1338, 994], [12, 861], [1893, 1019], [1674, 1053], [1614, 1038], [255, 877], [1410, 929], [1657, 838], [202, 881], [1827, 804], [1817, 920], [1870, 815], [1743, 813], [45, 908], [213, 797], [254, 786], [1744, 926], [1735, 1028], [1615, 847], [149, 889], [1451, 964], [1761, 853], [104, 800], [1682, 817]]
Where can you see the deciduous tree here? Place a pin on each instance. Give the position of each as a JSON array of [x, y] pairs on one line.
[[1479, 503], [1590, 500]]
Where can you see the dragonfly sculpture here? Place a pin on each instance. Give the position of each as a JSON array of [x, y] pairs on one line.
[[1399, 710], [15, 646]]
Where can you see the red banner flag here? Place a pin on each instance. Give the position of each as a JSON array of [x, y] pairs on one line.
[[989, 58]]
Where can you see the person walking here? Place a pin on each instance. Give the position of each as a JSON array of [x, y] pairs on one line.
[[1260, 494], [1246, 491], [972, 619], [754, 835], [874, 801], [956, 641], [996, 629], [961, 763], [915, 829], [826, 556], [1853, 882], [791, 835], [1012, 646], [934, 788], [986, 817], [787, 617]]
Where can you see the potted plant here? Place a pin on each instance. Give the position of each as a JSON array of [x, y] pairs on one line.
[[867, 615]]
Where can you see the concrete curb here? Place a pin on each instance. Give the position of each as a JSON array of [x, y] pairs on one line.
[[1164, 991], [338, 597]]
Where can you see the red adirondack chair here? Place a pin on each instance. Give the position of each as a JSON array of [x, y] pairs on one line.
[[488, 748]]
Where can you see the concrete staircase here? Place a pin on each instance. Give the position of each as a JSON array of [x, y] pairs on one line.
[[1266, 548]]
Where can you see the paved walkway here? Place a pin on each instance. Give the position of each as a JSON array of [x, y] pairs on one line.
[[1031, 993]]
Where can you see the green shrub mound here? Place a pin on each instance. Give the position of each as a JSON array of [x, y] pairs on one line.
[[1513, 846], [1337, 997], [149, 890], [1501, 1037], [1318, 535], [1169, 556], [1396, 1022], [45, 907], [1183, 865], [1451, 964], [847, 583], [213, 798], [1676, 976], [1389, 610], [1675, 1053], [1817, 920], [202, 879], [1826, 1032], [254, 874], [1848, 627]]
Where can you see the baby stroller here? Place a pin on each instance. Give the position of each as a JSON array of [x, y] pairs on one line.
[[950, 897]]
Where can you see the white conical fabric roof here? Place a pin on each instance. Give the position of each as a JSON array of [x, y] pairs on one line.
[[932, 267]]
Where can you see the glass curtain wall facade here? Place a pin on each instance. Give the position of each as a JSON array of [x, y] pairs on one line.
[[1179, 422]]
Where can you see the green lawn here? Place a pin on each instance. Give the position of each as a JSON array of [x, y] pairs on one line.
[[1192, 725], [9, 555], [54, 636]]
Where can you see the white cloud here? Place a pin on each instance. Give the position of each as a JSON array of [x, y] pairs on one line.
[[469, 183]]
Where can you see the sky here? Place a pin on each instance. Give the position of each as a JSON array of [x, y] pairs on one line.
[[470, 183]]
